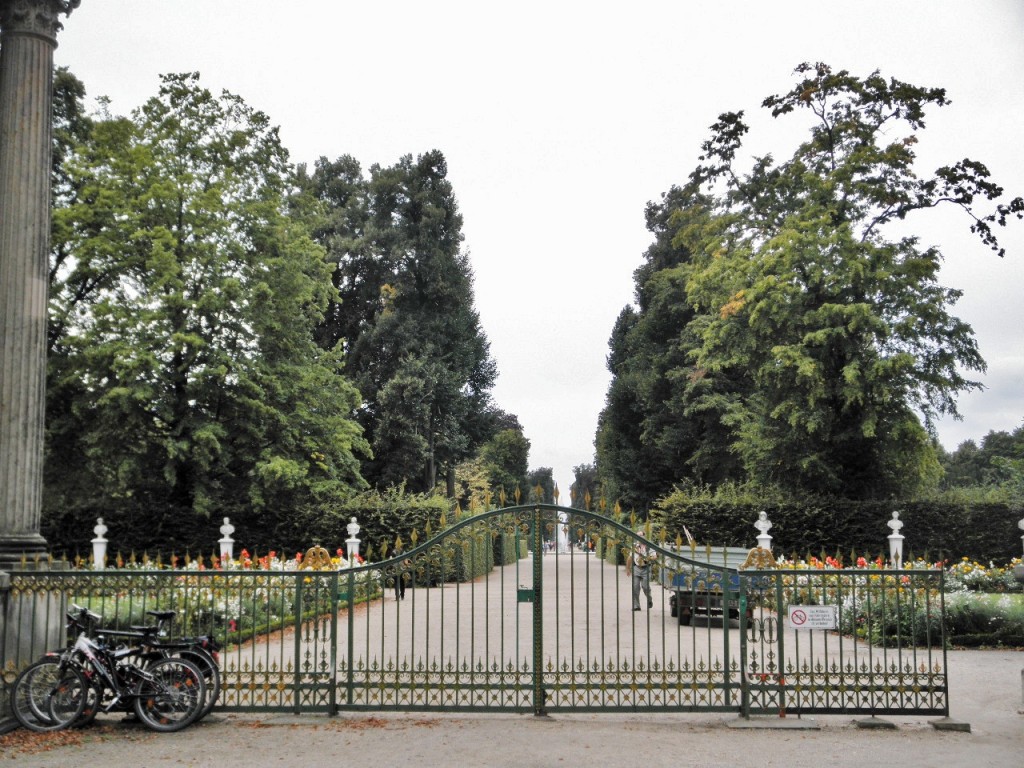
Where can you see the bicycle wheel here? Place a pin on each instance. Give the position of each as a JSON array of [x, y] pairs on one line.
[[211, 676], [170, 694], [48, 696], [93, 699]]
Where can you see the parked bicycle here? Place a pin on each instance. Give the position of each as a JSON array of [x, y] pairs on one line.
[[157, 641], [166, 693]]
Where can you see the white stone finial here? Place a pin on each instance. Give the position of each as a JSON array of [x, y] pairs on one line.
[[227, 544], [353, 540], [99, 545], [896, 541]]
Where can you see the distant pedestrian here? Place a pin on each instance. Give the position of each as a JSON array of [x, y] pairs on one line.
[[402, 574], [641, 558]]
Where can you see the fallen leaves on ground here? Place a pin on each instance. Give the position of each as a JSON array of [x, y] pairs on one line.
[[22, 741], [25, 742]]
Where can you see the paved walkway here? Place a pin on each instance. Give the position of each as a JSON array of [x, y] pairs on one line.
[[986, 693]]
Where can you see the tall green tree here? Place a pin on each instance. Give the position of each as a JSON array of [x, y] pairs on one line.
[[787, 330], [542, 478], [990, 465], [808, 291], [506, 456], [584, 485], [405, 314], [661, 424], [184, 380]]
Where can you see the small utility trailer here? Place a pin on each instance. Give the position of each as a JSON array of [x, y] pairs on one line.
[[703, 581]]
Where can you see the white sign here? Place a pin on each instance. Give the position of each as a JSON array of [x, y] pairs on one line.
[[814, 616]]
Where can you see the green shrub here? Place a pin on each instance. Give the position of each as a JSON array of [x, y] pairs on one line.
[[940, 527], [982, 620]]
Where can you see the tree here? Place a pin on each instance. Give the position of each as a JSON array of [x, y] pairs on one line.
[[839, 323], [653, 431], [506, 456], [542, 478], [991, 465], [584, 485], [820, 339], [184, 380], [405, 315]]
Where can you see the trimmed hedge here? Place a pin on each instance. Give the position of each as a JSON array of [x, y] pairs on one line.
[[932, 529]]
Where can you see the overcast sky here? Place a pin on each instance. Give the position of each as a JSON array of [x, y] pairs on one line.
[[560, 120]]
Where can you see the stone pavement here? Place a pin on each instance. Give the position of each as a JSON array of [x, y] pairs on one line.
[[985, 693]]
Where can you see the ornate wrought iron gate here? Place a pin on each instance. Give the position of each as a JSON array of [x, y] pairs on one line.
[[528, 609]]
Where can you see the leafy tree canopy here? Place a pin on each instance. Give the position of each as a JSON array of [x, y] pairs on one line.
[[184, 381], [793, 326], [405, 316]]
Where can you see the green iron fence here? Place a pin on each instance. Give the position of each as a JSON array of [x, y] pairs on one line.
[[528, 609]]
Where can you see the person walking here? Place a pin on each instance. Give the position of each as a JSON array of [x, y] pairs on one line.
[[639, 565], [402, 575]]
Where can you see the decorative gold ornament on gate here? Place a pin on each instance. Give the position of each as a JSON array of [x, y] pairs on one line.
[[759, 559], [316, 559]]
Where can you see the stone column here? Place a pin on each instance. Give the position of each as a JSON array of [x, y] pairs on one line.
[[30, 620], [28, 36]]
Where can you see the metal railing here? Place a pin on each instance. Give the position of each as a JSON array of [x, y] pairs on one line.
[[488, 615]]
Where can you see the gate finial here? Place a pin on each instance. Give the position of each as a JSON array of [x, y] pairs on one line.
[[759, 559]]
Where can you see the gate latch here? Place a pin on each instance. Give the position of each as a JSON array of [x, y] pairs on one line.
[[525, 594]]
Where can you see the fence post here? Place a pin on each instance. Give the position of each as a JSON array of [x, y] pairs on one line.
[[896, 541], [99, 546], [353, 540], [227, 544]]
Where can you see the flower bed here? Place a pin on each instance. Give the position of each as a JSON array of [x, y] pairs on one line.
[[982, 604], [233, 601]]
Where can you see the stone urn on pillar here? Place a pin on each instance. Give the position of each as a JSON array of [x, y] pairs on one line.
[[353, 541], [99, 545], [896, 541], [227, 544]]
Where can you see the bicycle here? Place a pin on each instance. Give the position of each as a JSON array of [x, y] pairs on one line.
[[166, 693], [154, 642]]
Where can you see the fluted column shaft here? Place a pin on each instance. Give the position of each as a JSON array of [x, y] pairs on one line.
[[28, 36]]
